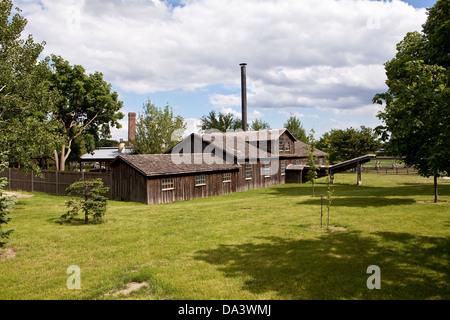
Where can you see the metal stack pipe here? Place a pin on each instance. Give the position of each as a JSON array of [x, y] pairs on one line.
[[244, 95]]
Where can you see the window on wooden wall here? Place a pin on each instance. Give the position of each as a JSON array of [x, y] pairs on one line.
[[248, 171], [267, 170], [287, 146], [200, 180], [167, 184], [226, 177], [283, 167], [281, 144], [297, 162]]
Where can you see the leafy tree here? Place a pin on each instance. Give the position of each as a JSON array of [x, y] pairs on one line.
[[6, 202], [25, 99], [312, 160], [437, 32], [85, 106], [157, 130], [223, 122], [89, 200], [416, 115], [259, 124], [109, 143], [294, 125], [341, 145]]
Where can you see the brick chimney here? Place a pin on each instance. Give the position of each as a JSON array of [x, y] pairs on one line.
[[131, 127]]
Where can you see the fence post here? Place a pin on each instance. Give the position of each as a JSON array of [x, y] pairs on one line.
[[57, 183], [9, 179]]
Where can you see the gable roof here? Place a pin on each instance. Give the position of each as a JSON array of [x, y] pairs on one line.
[[163, 164], [237, 144], [301, 150], [261, 135]]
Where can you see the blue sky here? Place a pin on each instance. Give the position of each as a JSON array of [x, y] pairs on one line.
[[319, 60]]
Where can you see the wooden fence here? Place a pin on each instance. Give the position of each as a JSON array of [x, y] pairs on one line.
[[389, 170], [52, 182]]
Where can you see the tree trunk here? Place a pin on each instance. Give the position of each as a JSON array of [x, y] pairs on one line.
[[55, 154], [435, 190], [62, 158]]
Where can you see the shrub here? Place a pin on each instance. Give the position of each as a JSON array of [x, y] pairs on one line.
[[88, 199]]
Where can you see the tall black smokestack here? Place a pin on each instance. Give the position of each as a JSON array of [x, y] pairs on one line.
[[244, 96]]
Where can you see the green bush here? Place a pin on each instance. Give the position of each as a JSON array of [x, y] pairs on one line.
[[88, 199]]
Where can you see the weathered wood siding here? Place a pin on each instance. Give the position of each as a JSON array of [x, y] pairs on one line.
[[129, 184], [185, 188], [286, 138]]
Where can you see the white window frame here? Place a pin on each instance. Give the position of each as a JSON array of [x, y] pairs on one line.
[[281, 144], [266, 170], [226, 177], [287, 146], [248, 165], [283, 167], [167, 184], [202, 181]]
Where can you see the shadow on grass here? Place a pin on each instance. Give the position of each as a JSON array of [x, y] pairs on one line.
[[361, 202], [404, 190], [334, 266], [75, 222]]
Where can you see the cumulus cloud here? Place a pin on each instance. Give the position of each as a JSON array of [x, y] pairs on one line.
[[300, 54]]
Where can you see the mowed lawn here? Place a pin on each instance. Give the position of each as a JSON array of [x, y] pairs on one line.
[[259, 244]]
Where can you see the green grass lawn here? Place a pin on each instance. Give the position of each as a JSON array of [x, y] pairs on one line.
[[259, 244]]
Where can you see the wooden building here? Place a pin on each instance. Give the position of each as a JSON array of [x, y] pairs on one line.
[[215, 164], [262, 156], [156, 178]]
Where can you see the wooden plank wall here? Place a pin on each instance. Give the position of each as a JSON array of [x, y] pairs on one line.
[[185, 188], [128, 184], [259, 180]]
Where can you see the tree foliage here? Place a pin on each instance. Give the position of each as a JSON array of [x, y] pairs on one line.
[[259, 124], [294, 125], [341, 145], [25, 99], [416, 113], [222, 122], [85, 108], [312, 160], [88, 199], [6, 202], [157, 129]]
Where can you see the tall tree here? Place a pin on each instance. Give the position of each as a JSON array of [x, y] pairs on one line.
[[85, 105], [341, 145], [222, 122], [25, 99], [294, 125], [416, 113], [259, 124], [157, 130]]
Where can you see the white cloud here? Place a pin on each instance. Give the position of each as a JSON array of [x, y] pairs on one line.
[[122, 133], [300, 54]]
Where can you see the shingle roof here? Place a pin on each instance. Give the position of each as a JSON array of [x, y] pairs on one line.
[[301, 150], [164, 164], [273, 134]]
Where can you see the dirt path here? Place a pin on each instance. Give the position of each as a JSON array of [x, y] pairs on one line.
[[18, 195]]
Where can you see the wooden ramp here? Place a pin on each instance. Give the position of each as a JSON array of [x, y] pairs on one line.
[[298, 173]]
